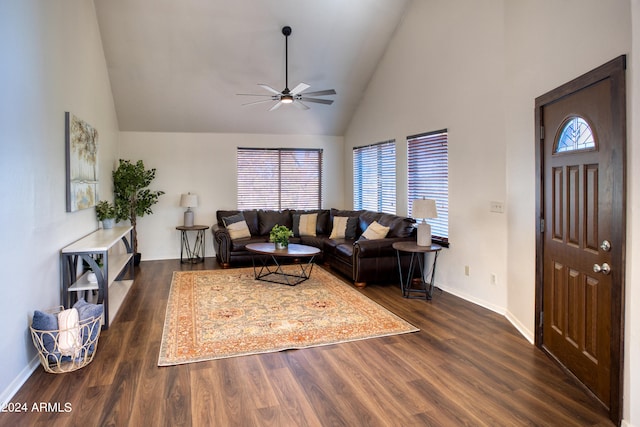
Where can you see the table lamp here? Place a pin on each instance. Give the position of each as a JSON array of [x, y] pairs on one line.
[[424, 208], [189, 201]]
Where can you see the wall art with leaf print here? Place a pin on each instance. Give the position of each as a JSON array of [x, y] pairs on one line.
[[82, 163]]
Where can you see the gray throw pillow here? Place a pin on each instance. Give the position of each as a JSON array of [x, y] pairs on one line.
[[89, 331], [344, 227], [236, 226]]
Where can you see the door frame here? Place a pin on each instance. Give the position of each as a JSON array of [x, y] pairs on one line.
[[614, 70]]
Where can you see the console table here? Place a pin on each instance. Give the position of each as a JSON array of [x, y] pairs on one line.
[[427, 280], [110, 285]]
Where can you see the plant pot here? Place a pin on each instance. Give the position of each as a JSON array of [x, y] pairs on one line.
[[91, 277], [280, 245], [108, 223]]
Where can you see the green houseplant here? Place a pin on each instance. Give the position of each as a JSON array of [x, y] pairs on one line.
[[106, 212], [280, 236], [132, 197]]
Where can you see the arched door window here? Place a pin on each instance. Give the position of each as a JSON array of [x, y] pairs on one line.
[[576, 135]]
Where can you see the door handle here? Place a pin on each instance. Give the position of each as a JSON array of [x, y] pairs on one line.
[[605, 246], [604, 268]]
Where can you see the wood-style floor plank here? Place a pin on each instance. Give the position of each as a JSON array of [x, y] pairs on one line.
[[466, 366]]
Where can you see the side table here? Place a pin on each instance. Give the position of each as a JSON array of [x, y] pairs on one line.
[[193, 254], [420, 253]]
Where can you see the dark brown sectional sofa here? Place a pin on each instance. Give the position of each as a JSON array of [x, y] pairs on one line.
[[363, 261]]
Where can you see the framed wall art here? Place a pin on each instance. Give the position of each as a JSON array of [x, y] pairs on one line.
[[81, 143]]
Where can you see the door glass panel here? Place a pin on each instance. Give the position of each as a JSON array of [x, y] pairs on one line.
[[576, 135]]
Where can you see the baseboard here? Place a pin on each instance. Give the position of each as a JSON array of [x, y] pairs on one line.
[[23, 376], [476, 301], [520, 327], [499, 310]]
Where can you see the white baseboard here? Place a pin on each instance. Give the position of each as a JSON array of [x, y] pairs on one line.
[[520, 327], [23, 376], [528, 335], [476, 301]]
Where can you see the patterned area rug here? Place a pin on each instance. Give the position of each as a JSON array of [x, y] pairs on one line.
[[225, 313]]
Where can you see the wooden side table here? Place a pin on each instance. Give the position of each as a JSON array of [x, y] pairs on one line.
[[427, 280], [193, 254]]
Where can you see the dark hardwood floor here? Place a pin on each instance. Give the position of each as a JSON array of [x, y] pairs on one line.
[[466, 366]]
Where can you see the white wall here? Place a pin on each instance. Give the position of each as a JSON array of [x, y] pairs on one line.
[[539, 37], [596, 33], [205, 164], [476, 69], [445, 69], [52, 62]]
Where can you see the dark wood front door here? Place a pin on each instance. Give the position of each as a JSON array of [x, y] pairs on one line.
[[580, 248]]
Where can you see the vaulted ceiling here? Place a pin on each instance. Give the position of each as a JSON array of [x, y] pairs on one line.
[[177, 66]]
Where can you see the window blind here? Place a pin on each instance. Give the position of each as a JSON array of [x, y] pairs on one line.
[[279, 178], [374, 177], [428, 177]]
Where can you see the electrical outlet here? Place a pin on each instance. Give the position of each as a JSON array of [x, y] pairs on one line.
[[466, 270], [497, 207]]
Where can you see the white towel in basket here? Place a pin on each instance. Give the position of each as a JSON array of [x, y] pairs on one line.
[[69, 340]]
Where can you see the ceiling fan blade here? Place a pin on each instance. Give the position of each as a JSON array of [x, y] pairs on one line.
[[269, 88], [258, 102], [253, 94], [276, 106], [301, 86], [321, 92], [300, 105], [318, 100]]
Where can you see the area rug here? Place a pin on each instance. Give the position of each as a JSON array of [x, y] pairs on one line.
[[225, 313]]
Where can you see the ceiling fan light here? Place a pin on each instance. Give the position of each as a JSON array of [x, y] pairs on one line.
[[286, 99]]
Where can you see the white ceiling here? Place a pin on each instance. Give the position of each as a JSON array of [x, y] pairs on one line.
[[178, 65]]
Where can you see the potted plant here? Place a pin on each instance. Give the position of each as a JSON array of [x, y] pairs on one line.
[[106, 212], [280, 236], [132, 197]]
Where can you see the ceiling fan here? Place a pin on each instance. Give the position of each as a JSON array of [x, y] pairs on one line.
[[295, 96]]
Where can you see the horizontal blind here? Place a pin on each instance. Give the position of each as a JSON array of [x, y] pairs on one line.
[[300, 179], [279, 178], [428, 177], [374, 177]]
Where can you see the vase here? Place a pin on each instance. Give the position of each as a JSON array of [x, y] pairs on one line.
[[108, 223], [91, 277], [281, 245]]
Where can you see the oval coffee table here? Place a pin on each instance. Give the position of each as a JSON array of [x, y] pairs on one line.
[[272, 272]]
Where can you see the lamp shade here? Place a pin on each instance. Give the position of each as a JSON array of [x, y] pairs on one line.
[[189, 200], [424, 208]]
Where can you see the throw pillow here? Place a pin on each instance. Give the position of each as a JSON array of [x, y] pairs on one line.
[[344, 227], [375, 231], [46, 328], [89, 330], [304, 224], [237, 226], [69, 341]]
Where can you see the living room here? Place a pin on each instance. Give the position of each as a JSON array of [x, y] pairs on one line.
[[472, 67]]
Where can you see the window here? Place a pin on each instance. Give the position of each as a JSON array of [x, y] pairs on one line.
[[576, 135], [279, 178], [374, 177], [428, 177]]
